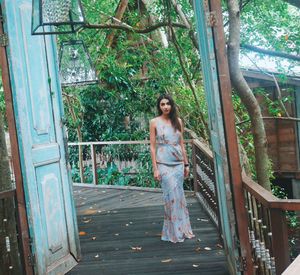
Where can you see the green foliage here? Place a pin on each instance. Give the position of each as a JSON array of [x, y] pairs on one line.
[[272, 24], [136, 68], [2, 105]]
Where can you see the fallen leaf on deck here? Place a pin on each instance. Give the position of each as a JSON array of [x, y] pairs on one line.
[[82, 233], [136, 248], [117, 234], [204, 220], [126, 224], [166, 261], [199, 240], [97, 256], [89, 211], [195, 265], [94, 238], [219, 245], [197, 249], [207, 248], [87, 221]]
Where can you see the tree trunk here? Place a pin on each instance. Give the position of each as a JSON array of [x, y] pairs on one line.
[[9, 257], [119, 14], [262, 162], [79, 137]]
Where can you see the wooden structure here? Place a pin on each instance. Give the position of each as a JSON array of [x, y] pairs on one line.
[[282, 133]]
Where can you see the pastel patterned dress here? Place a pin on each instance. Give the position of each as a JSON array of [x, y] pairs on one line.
[[169, 159]]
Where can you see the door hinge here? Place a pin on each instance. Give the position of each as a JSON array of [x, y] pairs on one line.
[[242, 264], [3, 40]]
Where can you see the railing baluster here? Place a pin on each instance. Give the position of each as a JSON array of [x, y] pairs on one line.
[[94, 164], [279, 239], [195, 175]]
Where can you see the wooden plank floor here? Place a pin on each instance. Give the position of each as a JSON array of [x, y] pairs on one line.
[[120, 234]]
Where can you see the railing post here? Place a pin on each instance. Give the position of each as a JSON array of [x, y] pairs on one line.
[[94, 164], [280, 245], [195, 175]]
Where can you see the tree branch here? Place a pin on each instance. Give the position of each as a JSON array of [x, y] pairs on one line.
[[177, 47], [119, 14], [272, 117], [126, 27], [262, 163]]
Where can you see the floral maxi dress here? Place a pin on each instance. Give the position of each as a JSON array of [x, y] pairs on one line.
[[169, 159]]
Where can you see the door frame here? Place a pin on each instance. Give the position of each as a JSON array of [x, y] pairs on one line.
[[216, 72], [20, 198]]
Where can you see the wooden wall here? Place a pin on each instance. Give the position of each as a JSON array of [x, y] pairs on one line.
[[282, 137]]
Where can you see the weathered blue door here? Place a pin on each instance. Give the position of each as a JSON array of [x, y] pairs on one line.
[[38, 113]]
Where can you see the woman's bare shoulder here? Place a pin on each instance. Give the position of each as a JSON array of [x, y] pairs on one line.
[[153, 121]]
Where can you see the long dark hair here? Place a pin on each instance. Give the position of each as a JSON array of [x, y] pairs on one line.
[[173, 113]]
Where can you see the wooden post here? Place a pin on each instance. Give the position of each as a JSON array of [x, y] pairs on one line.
[[231, 137], [280, 244], [94, 164]]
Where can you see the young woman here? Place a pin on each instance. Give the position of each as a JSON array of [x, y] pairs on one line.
[[170, 166]]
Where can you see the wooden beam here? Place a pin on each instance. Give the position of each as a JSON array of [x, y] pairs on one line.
[[270, 52], [260, 75]]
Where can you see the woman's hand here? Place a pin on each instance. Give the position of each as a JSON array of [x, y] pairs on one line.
[[156, 175], [186, 171]]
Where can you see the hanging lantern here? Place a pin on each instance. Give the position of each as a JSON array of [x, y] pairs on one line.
[[56, 16], [75, 64]]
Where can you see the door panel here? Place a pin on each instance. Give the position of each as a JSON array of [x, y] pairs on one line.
[[38, 110]]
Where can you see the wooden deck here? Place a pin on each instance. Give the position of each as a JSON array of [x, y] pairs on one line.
[[120, 234]]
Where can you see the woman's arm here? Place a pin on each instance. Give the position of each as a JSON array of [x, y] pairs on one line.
[[185, 159], [153, 149]]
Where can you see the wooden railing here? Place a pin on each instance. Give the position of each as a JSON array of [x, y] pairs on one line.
[[204, 179], [267, 215], [268, 229], [9, 246], [130, 161]]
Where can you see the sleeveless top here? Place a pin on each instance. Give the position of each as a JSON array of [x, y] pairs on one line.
[[168, 149]]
